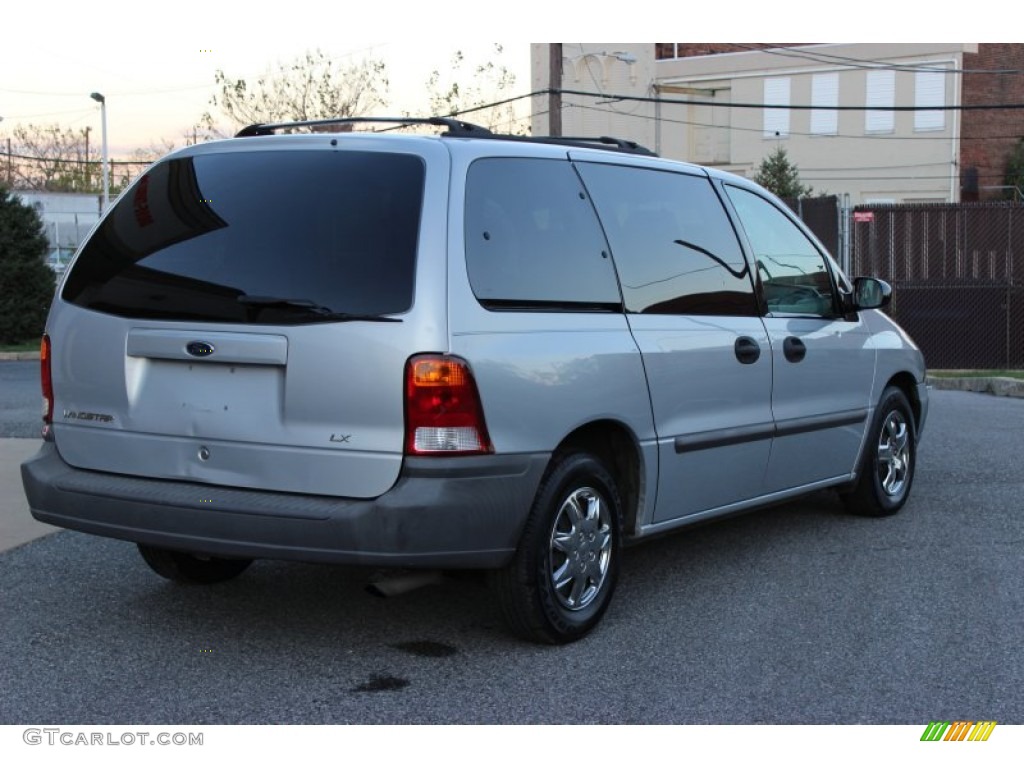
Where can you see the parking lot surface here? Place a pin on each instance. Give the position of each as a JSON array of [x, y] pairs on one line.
[[798, 614]]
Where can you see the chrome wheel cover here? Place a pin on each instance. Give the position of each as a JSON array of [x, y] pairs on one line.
[[894, 454], [580, 548]]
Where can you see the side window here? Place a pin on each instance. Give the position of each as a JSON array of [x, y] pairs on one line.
[[793, 272], [532, 239], [673, 244]]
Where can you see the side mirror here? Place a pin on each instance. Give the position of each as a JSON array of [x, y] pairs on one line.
[[871, 293]]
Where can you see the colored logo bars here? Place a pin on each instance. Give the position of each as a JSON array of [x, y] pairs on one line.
[[961, 730]]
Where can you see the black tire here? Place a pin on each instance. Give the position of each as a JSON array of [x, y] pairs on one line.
[[561, 580], [191, 569], [887, 468]]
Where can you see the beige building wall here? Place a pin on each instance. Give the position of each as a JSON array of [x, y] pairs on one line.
[[901, 164], [602, 68]]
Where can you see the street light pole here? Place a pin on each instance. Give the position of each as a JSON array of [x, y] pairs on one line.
[[106, 160], [88, 174]]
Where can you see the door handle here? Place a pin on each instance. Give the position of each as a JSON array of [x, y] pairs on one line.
[[793, 349], [747, 350]]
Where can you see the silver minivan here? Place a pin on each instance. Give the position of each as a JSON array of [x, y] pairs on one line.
[[457, 351]]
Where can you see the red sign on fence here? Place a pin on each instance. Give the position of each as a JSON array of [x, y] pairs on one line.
[[862, 217]]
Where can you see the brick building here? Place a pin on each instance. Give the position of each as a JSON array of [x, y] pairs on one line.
[[994, 75]]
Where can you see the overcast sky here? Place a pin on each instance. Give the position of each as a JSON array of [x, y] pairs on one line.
[[155, 62], [158, 75]]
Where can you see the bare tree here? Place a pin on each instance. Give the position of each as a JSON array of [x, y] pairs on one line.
[[485, 84], [151, 153], [52, 158], [312, 87]]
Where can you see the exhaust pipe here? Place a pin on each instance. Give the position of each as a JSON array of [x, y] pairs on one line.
[[400, 583]]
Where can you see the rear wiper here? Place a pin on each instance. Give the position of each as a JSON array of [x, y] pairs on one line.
[[314, 313]]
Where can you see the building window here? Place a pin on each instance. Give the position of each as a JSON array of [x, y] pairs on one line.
[[929, 91], [776, 119], [825, 93], [881, 92]]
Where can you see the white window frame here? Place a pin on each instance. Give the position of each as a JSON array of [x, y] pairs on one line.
[[776, 120], [930, 91], [825, 93], [880, 92]]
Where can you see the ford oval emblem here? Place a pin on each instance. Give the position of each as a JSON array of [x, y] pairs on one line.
[[199, 349]]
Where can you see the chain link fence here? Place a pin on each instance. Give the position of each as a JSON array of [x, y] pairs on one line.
[[822, 217], [957, 272]]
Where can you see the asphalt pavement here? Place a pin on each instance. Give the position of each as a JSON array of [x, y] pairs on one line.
[[797, 614]]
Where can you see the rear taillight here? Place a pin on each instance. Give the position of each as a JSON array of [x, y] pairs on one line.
[[46, 379], [443, 413]]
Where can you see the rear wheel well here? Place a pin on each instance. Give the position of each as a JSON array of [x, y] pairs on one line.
[[617, 448]]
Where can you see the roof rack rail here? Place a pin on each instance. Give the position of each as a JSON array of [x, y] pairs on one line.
[[611, 140], [607, 143], [455, 127]]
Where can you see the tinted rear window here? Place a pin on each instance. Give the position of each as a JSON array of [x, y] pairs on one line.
[[321, 229]]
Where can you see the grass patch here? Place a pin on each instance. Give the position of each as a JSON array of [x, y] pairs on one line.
[[976, 374], [25, 346]]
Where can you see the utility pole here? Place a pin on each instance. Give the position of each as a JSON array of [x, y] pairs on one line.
[[88, 180], [555, 89]]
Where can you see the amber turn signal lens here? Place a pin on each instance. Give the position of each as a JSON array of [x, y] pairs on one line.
[[438, 372]]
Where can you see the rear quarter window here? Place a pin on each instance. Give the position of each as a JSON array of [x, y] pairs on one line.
[[533, 240], [334, 230]]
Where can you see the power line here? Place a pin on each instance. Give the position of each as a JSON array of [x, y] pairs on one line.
[[501, 103], [857, 63], [762, 105], [945, 138], [679, 102], [73, 161], [39, 93], [76, 112], [946, 177]]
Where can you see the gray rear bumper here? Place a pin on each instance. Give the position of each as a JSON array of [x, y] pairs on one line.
[[442, 513]]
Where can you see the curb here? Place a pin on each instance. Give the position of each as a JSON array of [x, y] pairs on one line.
[[19, 355], [994, 385]]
